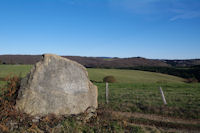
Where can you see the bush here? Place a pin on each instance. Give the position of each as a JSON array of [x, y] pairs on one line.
[[109, 79], [10, 91], [191, 80]]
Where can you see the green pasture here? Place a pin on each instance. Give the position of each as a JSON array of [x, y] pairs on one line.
[[122, 76], [19, 70], [137, 91], [132, 76], [183, 100]]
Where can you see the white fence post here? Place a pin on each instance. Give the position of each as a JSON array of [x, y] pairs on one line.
[[107, 92], [163, 96]]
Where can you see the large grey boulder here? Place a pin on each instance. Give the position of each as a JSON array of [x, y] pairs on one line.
[[56, 85]]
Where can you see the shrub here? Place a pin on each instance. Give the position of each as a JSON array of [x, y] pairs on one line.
[[109, 79], [191, 80], [11, 89]]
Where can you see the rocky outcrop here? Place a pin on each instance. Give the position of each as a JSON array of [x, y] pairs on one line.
[[56, 85]]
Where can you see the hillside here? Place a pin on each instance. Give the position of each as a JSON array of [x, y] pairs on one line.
[[133, 76], [122, 76], [94, 62], [183, 63], [103, 62]]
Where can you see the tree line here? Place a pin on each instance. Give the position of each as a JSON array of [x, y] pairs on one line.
[[192, 74]]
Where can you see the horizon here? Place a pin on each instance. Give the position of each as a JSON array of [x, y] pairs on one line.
[[97, 56], [152, 29]]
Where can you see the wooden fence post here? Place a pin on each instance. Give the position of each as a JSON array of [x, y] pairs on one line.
[[107, 93], [163, 96]]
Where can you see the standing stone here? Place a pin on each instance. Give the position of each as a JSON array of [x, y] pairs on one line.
[[56, 85]]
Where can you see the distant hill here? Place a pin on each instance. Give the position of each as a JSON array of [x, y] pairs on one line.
[[92, 62], [183, 63], [95, 62], [19, 59], [103, 62]]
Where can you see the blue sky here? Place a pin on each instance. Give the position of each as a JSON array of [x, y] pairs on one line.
[[159, 29]]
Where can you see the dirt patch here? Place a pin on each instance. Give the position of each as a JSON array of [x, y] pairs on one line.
[[2, 79], [161, 123], [148, 129], [154, 117]]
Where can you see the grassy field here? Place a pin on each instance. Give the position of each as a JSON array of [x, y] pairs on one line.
[[22, 70], [132, 76], [183, 100], [19, 70], [138, 92], [122, 76]]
